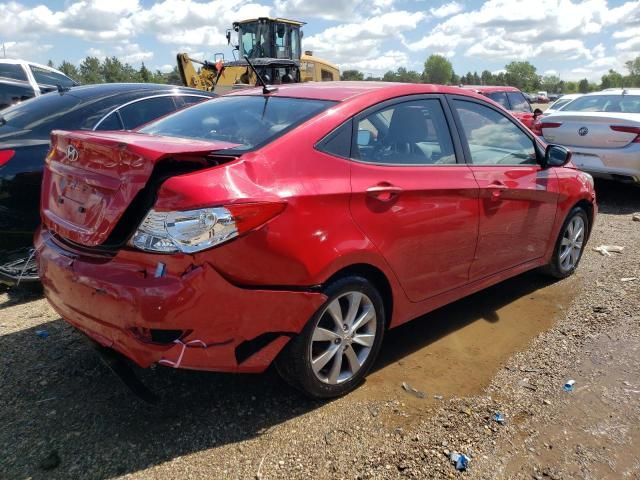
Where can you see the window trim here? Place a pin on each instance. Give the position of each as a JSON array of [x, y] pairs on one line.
[[131, 102], [465, 143]]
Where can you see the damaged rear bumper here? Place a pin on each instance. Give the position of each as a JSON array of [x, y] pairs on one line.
[[221, 327]]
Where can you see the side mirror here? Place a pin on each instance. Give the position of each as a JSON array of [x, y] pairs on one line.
[[364, 137], [536, 113], [556, 156]]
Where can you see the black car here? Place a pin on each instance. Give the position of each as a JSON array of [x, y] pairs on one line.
[[24, 143]]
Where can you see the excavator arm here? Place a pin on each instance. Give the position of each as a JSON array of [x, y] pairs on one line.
[[204, 79]]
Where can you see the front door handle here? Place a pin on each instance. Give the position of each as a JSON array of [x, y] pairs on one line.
[[384, 192], [496, 189]]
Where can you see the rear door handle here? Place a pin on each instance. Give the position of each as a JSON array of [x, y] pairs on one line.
[[384, 192]]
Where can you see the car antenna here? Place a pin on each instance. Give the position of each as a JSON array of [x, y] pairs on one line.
[[265, 88]]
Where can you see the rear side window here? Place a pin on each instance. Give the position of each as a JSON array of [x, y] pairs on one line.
[[408, 133], [139, 113], [491, 137], [339, 141], [48, 77], [13, 71], [499, 97], [518, 102], [187, 100], [10, 94], [248, 120], [41, 112], [112, 122]]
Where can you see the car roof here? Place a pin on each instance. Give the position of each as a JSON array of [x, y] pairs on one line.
[[105, 89], [346, 90], [615, 91], [489, 88], [15, 61]]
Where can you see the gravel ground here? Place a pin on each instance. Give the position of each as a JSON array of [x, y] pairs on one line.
[[64, 415]]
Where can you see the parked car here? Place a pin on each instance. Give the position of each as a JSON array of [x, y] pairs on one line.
[[296, 226], [556, 106], [554, 96], [21, 80], [602, 129], [542, 97], [511, 99], [24, 141]]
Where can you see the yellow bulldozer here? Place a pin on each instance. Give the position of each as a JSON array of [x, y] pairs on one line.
[[273, 46]]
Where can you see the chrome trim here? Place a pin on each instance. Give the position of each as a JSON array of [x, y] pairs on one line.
[[174, 94]]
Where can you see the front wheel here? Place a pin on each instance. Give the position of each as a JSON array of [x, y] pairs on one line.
[[570, 244], [339, 344]]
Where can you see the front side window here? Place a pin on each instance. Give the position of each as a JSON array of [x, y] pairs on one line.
[[49, 77], [255, 40], [247, 120], [414, 132], [326, 75], [492, 138], [518, 102]]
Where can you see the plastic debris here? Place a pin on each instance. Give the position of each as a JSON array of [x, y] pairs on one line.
[[499, 418], [607, 250], [628, 279], [42, 333], [413, 391], [568, 387], [160, 268], [460, 460]]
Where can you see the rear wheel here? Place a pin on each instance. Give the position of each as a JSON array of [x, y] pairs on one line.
[[570, 244], [337, 347]]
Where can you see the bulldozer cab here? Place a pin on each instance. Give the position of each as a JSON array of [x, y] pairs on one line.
[[268, 38]]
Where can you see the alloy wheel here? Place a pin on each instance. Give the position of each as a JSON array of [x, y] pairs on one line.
[[343, 338], [571, 243]]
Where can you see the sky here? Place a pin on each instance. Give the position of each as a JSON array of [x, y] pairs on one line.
[[572, 39]]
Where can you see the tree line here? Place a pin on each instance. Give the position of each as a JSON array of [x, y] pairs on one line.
[[111, 70], [523, 75], [437, 69]]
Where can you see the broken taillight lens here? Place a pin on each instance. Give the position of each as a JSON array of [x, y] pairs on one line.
[[192, 231], [6, 155]]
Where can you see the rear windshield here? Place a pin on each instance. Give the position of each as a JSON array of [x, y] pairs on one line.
[[39, 111], [250, 121], [606, 103]]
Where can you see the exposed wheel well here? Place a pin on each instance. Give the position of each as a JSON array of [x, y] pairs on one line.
[[375, 276], [587, 207]]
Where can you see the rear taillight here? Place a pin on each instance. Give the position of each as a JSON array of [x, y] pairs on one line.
[[627, 129], [192, 231], [6, 155], [549, 125]]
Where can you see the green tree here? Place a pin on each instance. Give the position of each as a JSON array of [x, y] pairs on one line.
[[571, 87], [437, 69], [112, 70], [90, 71], [633, 79], [69, 69], [173, 77], [145, 75], [522, 75], [407, 76], [550, 83], [486, 78], [50, 63], [352, 75], [612, 79], [583, 86]]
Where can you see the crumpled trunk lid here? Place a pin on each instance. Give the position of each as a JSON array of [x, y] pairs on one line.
[[91, 178]]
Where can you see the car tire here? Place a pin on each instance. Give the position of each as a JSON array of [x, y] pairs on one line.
[[569, 245], [327, 359]]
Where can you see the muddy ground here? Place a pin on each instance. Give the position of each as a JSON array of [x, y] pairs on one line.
[[508, 349]]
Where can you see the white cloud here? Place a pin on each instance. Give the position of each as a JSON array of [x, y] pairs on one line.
[[23, 50], [126, 52], [446, 10]]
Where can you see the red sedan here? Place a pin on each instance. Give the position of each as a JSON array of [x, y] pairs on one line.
[[511, 99], [296, 226]]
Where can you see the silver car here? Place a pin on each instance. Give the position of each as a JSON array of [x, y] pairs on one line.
[[602, 129]]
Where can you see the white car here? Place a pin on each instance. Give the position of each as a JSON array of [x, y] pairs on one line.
[[21, 80], [561, 103], [602, 130]]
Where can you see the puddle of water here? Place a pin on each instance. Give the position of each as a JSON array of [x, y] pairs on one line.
[[457, 349]]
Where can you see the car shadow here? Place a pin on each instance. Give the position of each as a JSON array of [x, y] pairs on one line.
[[58, 396], [617, 198], [20, 294]]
